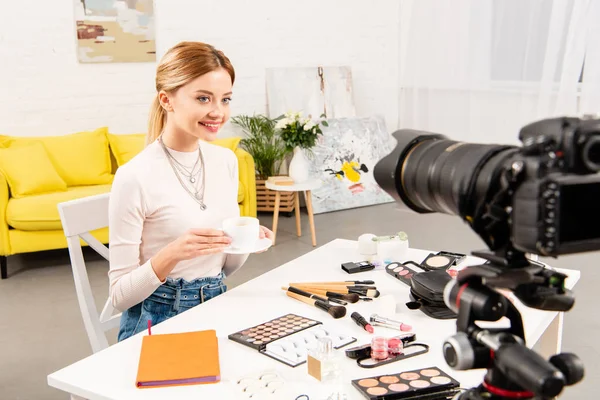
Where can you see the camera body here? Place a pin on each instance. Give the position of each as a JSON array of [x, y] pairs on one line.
[[554, 205]]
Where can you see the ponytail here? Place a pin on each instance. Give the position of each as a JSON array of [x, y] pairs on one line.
[[156, 121]]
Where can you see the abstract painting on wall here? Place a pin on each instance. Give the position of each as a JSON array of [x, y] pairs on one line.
[[344, 158], [115, 31], [315, 91]]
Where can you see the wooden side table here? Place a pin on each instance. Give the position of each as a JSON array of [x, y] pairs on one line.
[[306, 188]]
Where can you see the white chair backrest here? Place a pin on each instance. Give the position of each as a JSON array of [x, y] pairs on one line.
[[79, 217]]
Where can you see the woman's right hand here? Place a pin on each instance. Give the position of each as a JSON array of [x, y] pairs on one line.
[[199, 242], [192, 244]]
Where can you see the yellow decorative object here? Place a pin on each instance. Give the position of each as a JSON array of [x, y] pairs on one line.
[[29, 171], [125, 147], [80, 159], [31, 222]]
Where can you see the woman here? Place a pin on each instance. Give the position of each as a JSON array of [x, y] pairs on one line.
[[167, 204]]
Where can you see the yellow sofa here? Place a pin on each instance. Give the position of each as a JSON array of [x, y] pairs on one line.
[[37, 173]]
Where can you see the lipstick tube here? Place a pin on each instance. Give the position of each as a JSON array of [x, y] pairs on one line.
[[378, 320], [362, 322]]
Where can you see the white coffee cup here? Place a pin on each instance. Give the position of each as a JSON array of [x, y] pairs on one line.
[[243, 232]]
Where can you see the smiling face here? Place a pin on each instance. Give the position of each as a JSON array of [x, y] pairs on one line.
[[200, 107]]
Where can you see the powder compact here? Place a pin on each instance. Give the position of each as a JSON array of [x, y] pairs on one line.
[[289, 338], [442, 260], [424, 383]]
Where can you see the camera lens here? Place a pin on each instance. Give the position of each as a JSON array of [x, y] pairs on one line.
[[433, 174], [591, 154]]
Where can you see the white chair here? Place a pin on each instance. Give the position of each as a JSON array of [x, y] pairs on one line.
[[79, 217]]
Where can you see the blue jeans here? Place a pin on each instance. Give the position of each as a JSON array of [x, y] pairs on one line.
[[171, 298]]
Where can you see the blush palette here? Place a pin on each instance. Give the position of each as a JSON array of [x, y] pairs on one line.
[[289, 338], [403, 272], [424, 383]]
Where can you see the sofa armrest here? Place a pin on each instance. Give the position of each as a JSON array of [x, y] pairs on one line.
[[4, 196], [247, 175]]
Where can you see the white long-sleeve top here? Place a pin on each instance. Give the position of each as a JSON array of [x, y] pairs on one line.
[[149, 208]]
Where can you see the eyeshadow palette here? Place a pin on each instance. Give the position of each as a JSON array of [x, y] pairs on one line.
[[259, 336], [289, 338], [424, 383], [402, 271]]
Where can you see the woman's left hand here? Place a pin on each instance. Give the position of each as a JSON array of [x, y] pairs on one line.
[[266, 233]]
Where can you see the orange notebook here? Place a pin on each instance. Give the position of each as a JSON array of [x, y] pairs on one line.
[[179, 359]]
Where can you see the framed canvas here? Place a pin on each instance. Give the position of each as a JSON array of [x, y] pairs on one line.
[[343, 160], [314, 90], [115, 31]]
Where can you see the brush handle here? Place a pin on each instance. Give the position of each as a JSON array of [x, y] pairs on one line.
[[336, 289], [342, 283], [321, 292], [301, 298], [305, 294], [329, 296], [328, 293]]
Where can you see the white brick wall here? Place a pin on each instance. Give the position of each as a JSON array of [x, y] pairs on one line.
[[45, 91]]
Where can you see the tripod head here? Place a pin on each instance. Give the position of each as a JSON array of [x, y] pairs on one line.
[[513, 370]]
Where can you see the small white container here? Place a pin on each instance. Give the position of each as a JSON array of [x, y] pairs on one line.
[[366, 245], [392, 248]]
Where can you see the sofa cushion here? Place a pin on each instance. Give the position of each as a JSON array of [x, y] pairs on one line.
[[125, 147], [230, 142], [241, 191], [40, 212], [80, 159], [28, 170]]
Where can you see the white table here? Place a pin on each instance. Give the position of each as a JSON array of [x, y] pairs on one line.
[[306, 188], [111, 373]]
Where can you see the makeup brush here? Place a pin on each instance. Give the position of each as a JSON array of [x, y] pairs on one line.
[[343, 290], [335, 311], [312, 296], [327, 286], [335, 283], [351, 298]]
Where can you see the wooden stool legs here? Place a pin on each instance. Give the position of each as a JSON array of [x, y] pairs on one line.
[[298, 227], [311, 219], [276, 215]]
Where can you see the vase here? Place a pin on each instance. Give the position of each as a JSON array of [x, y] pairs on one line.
[[299, 166]]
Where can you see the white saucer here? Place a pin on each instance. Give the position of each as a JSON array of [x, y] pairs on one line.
[[261, 244]]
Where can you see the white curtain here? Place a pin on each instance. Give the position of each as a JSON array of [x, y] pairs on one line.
[[478, 70]]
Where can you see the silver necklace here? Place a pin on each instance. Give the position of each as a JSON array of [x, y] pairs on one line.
[[198, 194], [191, 175]]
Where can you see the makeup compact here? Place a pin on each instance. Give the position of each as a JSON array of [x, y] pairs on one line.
[[289, 338], [442, 260], [403, 271], [425, 383]]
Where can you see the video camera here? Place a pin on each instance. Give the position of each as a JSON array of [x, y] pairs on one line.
[[539, 198]]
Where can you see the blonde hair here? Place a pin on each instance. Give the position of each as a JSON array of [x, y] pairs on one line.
[[181, 64]]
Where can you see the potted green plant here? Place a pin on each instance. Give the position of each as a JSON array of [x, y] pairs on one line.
[[269, 151], [263, 143], [300, 135]]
